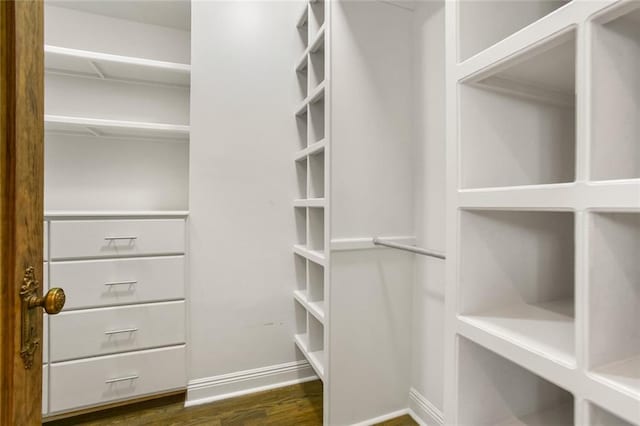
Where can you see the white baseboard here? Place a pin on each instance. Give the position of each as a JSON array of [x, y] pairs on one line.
[[210, 389], [382, 418], [423, 411]]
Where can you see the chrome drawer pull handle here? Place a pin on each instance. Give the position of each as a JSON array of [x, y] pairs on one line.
[[122, 379], [121, 283], [124, 330], [125, 237]]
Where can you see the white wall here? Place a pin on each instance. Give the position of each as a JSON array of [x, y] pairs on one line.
[[242, 174], [429, 214]]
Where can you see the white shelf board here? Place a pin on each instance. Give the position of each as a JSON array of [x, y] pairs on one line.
[[561, 414], [316, 359], [114, 128], [530, 37], [92, 214], [115, 67], [312, 149], [623, 374], [603, 195], [312, 255], [314, 308], [309, 202], [547, 329]]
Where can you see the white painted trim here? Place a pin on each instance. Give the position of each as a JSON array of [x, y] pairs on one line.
[[423, 411], [366, 243], [210, 389], [383, 418]]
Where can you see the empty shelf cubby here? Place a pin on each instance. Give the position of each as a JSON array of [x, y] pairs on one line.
[[316, 120], [315, 283], [301, 225], [316, 175], [485, 23], [494, 391], [518, 119], [316, 66], [300, 265], [316, 334], [302, 127], [316, 17], [601, 417], [301, 320], [614, 299], [517, 278], [301, 178], [315, 237], [303, 81], [615, 89]]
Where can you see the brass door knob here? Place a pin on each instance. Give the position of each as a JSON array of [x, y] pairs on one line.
[[52, 302]]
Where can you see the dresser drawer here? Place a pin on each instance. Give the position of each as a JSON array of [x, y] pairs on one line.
[[79, 334], [104, 238], [105, 282], [87, 382]]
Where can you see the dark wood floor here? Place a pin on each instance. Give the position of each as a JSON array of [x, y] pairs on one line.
[[292, 405]]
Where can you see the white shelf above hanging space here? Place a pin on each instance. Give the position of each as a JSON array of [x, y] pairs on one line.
[[114, 128], [517, 279], [115, 67]]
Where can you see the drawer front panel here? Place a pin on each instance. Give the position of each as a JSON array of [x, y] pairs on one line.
[[87, 382], [105, 238], [94, 283], [79, 334]]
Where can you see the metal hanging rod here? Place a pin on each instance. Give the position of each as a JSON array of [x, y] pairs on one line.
[[412, 249]]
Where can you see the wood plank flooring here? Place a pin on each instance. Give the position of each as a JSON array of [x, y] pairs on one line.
[[299, 404]]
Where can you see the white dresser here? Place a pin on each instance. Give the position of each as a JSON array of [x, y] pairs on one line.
[[124, 318]]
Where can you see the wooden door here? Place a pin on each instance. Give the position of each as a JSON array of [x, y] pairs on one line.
[[21, 203]]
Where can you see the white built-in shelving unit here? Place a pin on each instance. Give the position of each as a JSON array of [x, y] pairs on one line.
[[116, 185], [543, 236], [311, 206]]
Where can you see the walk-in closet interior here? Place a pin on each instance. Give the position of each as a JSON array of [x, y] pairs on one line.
[[433, 207]]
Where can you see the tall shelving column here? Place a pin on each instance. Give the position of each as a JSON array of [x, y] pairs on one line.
[[543, 213], [312, 203]]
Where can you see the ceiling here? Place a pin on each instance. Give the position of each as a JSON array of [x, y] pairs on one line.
[[168, 13]]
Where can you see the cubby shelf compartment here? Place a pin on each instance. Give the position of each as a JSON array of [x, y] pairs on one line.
[[517, 279], [310, 150], [316, 175], [316, 359], [316, 18], [114, 128], [301, 178], [615, 94], [521, 112], [115, 67], [312, 255], [494, 391], [601, 417], [314, 96], [614, 299], [485, 23], [301, 225], [315, 230], [303, 18], [314, 308]]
